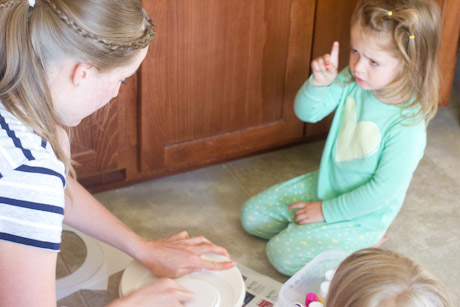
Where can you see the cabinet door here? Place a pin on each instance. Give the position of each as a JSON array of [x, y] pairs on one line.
[[450, 10], [220, 79], [102, 144], [332, 23]]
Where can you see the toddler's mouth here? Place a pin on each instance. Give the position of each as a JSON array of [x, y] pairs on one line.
[[359, 80]]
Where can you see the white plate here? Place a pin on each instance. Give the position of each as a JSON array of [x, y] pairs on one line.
[[223, 288]]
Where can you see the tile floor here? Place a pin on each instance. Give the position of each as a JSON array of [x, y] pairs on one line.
[[208, 201]]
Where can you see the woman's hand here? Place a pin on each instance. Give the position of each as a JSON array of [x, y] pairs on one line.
[[161, 292], [308, 212], [180, 254], [325, 67]]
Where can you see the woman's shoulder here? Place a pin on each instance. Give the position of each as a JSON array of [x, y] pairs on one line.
[[21, 146], [32, 183]]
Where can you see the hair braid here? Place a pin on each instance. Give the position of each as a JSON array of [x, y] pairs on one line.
[[7, 4], [141, 42]]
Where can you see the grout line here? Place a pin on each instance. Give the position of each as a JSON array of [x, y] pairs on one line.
[[235, 176]]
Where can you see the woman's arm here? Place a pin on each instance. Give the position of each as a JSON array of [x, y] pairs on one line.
[[170, 257], [27, 276]]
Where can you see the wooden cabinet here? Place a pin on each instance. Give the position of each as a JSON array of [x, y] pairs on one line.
[[220, 79], [104, 144], [450, 10], [218, 83]]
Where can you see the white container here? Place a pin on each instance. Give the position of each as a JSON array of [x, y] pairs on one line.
[[212, 288], [309, 278]]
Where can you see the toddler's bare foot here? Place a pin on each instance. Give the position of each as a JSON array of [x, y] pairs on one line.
[[381, 241]]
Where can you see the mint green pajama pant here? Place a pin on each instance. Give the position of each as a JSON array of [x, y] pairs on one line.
[[291, 245]]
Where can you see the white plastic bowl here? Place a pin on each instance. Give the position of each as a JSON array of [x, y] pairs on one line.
[[309, 278]]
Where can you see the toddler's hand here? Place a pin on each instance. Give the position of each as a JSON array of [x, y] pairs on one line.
[[325, 67], [308, 212]]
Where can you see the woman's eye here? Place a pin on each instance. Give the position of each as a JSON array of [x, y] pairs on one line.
[[123, 82], [354, 51]]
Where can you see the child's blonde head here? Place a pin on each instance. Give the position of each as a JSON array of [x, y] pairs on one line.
[[377, 277], [410, 30], [105, 34]]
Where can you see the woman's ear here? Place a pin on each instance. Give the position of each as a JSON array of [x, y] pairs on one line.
[[81, 73]]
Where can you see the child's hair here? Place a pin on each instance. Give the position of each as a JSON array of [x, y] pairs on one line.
[[106, 34], [376, 277], [410, 30]]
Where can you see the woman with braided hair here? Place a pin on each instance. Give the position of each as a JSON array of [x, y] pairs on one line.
[[60, 61]]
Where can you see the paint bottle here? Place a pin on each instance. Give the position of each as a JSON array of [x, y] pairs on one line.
[[323, 290], [309, 298], [313, 300], [329, 275]]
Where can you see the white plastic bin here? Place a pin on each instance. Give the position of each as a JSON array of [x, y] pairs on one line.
[[309, 278]]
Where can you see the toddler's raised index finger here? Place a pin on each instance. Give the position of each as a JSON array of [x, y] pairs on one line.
[[335, 54]]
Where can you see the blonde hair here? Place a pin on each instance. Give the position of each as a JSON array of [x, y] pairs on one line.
[[106, 34], [376, 277], [413, 27]]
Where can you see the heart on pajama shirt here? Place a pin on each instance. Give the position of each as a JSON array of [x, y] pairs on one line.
[[356, 140]]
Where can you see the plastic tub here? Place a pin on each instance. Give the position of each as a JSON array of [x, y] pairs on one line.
[[309, 278]]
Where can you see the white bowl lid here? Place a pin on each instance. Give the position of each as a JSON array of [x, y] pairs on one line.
[[212, 288]]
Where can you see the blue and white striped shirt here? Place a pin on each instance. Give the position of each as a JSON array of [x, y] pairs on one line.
[[32, 182]]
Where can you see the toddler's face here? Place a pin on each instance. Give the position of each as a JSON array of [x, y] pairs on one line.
[[372, 67]]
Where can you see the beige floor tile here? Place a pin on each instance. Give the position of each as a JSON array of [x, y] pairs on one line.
[[75, 300], [260, 172], [101, 298], [73, 251], [71, 257]]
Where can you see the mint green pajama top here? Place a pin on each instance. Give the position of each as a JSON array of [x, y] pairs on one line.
[[370, 155]]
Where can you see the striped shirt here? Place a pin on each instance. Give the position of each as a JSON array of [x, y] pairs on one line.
[[32, 182]]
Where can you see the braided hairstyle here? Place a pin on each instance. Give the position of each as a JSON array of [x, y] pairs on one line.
[[6, 4], [410, 30], [108, 42], [106, 34]]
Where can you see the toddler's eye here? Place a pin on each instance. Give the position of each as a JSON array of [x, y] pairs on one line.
[[354, 51], [374, 63], [123, 82]]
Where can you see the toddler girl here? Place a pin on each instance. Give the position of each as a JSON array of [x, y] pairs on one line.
[[382, 101]]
